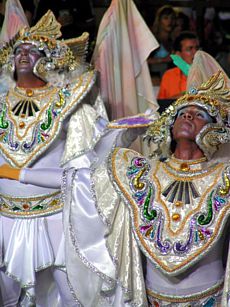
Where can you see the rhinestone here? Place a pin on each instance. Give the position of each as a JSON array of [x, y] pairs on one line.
[[29, 92], [22, 125], [184, 167], [25, 206], [201, 236], [176, 217], [178, 203]]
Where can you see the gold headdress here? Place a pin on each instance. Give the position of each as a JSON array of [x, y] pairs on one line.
[[214, 97], [45, 34]]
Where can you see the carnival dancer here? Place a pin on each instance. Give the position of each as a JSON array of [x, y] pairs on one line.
[[173, 208], [52, 118], [53, 121]]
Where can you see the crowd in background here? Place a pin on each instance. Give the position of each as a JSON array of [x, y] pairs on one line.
[[166, 23]]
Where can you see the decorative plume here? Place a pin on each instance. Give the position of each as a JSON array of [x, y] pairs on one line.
[[47, 26]]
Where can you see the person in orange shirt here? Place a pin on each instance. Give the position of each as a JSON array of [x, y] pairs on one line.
[[173, 82]]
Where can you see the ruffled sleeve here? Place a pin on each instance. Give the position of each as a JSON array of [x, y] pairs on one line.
[[101, 251]]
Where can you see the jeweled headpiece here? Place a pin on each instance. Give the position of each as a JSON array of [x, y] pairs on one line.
[[213, 96], [44, 35]]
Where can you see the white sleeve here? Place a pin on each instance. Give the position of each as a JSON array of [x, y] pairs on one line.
[[42, 177]]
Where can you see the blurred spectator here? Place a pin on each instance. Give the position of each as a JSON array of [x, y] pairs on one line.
[[173, 83], [213, 38], [182, 24], [162, 28]]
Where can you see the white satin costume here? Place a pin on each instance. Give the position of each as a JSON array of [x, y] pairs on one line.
[[176, 212], [44, 131]]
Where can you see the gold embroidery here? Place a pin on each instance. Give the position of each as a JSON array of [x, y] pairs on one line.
[[150, 251], [81, 87], [186, 298], [34, 121], [31, 206], [193, 211], [196, 174]]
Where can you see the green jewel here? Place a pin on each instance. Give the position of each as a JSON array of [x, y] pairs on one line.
[[16, 208], [38, 207], [202, 220], [149, 215], [3, 124], [45, 126]]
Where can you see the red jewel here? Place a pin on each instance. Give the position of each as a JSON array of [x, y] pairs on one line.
[[25, 206], [156, 304]]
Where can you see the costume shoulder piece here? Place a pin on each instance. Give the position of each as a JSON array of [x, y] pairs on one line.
[[31, 119], [177, 217]]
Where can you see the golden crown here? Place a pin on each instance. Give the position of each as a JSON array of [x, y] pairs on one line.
[[69, 53], [213, 96]]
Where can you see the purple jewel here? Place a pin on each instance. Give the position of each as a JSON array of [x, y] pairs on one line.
[[54, 113], [144, 228], [182, 248], [45, 134], [134, 121], [163, 246], [139, 162], [206, 232], [140, 203]]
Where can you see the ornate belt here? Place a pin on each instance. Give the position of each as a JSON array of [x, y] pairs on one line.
[[27, 207], [210, 295]]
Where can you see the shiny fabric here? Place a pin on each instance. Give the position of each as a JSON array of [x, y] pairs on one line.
[[97, 241], [115, 200], [81, 132], [14, 20], [33, 250], [123, 45]]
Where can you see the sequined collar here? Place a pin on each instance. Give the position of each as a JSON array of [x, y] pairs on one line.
[[31, 92], [187, 166]]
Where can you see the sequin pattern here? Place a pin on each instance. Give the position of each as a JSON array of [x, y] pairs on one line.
[[173, 235]]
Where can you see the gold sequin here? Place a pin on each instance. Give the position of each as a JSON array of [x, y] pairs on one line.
[[29, 92], [176, 217], [178, 203], [184, 167], [22, 125]]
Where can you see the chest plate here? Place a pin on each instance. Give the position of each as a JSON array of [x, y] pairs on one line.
[[178, 208], [31, 119]]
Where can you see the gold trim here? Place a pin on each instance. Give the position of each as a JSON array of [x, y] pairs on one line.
[[57, 122], [166, 167], [188, 215], [135, 211], [35, 121], [189, 162], [185, 298], [52, 202], [21, 91], [30, 198]]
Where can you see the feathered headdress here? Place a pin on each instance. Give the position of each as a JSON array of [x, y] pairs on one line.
[[213, 95], [58, 53]]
